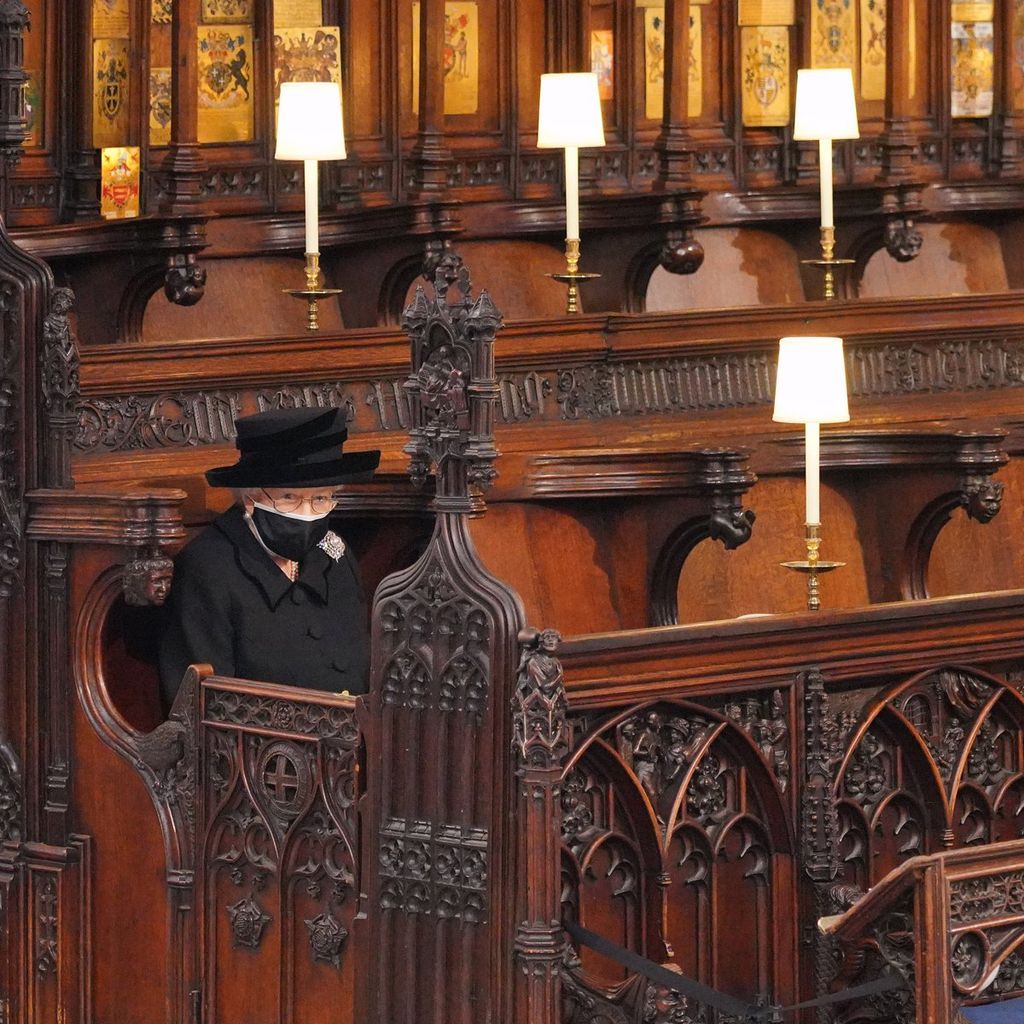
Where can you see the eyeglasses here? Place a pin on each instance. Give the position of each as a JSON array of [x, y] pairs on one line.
[[291, 502]]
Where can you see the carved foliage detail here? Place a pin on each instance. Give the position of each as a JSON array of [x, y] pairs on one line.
[[305, 718], [46, 926], [974, 900], [11, 511], [327, 935], [248, 922], [10, 800]]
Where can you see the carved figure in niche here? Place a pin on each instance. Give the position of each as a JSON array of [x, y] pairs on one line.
[[866, 776], [269, 591], [659, 748], [947, 753], [985, 763], [705, 798], [541, 733], [540, 664], [60, 356], [147, 581], [442, 387], [644, 741]]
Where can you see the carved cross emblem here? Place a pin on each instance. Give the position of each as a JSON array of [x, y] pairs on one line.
[[281, 779]]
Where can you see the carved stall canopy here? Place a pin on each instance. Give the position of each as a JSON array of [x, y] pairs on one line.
[[697, 107], [604, 399]]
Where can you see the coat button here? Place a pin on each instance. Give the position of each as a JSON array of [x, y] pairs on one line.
[[315, 632], [298, 595]]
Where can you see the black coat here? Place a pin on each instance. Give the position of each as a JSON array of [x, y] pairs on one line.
[[231, 606]]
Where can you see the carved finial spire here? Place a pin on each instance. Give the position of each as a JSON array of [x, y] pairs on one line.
[[452, 388]]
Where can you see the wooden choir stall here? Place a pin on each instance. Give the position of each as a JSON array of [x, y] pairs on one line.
[[610, 769], [700, 795]]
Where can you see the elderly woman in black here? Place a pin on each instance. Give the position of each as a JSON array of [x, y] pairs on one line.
[[268, 591]]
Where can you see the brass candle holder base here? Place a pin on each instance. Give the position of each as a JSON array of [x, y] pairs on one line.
[[813, 567], [312, 293], [572, 277], [828, 262]]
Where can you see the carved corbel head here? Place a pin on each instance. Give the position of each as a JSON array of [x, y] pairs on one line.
[[185, 279], [982, 497], [681, 253], [902, 239], [731, 525], [147, 581]]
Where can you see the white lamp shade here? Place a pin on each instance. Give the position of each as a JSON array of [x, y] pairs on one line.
[[825, 104], [811, 383], [310, 125], [570, 111]]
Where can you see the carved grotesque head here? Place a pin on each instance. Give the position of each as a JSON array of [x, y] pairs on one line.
[[984, 501], [61, 301], [147, 581]]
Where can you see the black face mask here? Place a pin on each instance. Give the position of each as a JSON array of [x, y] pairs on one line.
[[289, 535]]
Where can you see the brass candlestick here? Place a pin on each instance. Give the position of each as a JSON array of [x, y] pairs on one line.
[[813, 567], [828, 262], [312, 293], [572, 277]]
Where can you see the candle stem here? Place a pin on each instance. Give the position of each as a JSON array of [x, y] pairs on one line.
[[825, 174], [312, 207], [572, 193], [812, 438]]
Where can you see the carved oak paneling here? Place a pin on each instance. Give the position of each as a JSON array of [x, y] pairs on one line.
[[279, 871], [668, 807]]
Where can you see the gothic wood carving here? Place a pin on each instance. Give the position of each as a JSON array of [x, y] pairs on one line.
[[662, 804], [444, 662], [277, 831], [540, 743]]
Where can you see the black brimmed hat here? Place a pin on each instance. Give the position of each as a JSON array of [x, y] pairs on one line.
[[293, 448]]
